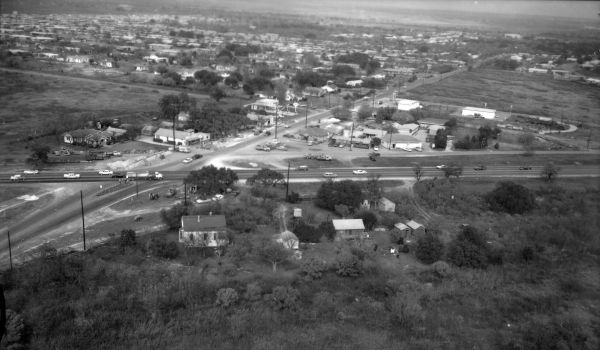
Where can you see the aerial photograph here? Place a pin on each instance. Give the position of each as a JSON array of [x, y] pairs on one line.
[[316, 174]]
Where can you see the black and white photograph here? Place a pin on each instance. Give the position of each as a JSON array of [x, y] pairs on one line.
[[299, 175]]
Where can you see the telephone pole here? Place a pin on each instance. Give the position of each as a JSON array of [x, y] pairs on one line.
[[82, 218], [351, 135], [306, 116], [276, 113], [287, 185], [9, 250]]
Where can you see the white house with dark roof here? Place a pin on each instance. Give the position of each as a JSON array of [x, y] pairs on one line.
[[404, 142], [203, 231], [348, 229]]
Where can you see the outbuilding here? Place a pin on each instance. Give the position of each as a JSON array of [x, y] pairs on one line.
[[477, 112], [407, 105]]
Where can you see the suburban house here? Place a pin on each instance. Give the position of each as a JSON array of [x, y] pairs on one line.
[[182, 138], [386, 205], [313, 91], [416, 230], [203, 231], [354, 83], [407, 105], [87, 137], [404, 142], [348, 229], [269, 105], [404, 230], [538, 70], [149, 130], [288, 239], [479, 112]]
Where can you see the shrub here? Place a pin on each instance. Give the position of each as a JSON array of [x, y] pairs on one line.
[[253, 292], [348, 265], [283, 298], [313, 268], [327, 229], [469, 249], [369, 218], [307, 233], [429, 248], [226, 297], [293, 197], [441, 268], [160, 248], [127, 238], [511, 198]]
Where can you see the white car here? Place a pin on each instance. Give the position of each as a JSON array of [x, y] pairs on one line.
[[187, 160], [359, 172], [30, 171], [375, 148], [17, 177], [218, 197], [105, 172], [442, 166], [328, 174], [71, 176]]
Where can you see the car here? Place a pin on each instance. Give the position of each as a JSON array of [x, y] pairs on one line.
[[441, 166], [527, 167], [282, 148], [217, 197], [105, 172], [375, 154], [117, 154], [187, 160], [17, 178], [329, 174], [302, 168], [480, 167], [30, 171], [372, 158], [119, 174], [200, 201], [359, 172], [375, 148], [71, 176]]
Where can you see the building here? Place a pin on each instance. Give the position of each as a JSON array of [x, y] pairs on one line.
[[182, 138], [354, 83], [513, 36], [348, 229], [407, 129], [404, 142], [87, 137], [416, 230], [203, 231], [386, 205], [404, 230], [407, 105], [149, 130], [479, 112], [269, 105], [538, 70]]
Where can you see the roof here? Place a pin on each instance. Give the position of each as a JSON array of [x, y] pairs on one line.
[[182, 135], [432, 121], [115, 131], [407, 102], [396, 138], [385, 201], [401, 226], [477, 109], [414, 225], [82, 133], [193, 223], [348, 224]]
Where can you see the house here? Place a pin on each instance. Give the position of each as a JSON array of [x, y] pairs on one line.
[[386, 205], [116, 132], [404, 142], [182, 138], [354, 83], [149, 130], [404, 230], [407, 129], [348, 229], [479, 112], [407, 105], [313, 91], [416, 230], [203, 231], [269, 105], [78, 59], [288, 239], [87, 137], [538, 70]]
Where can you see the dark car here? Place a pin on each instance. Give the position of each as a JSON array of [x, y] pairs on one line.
[[119, 174], [525, 167], [372, 158], [480, 167]]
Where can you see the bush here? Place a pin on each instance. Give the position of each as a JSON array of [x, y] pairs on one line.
[[348, 265], [511, 198], [283, 298], [441, 269], [293, 197], [127, 238], [313, 268], [160, 248], [469, 249], [226, 297], [327, 229], [253, 292], [429, 248], [307, 233], [369, 218]]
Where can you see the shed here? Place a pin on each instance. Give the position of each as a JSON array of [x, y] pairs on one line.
[[479, 112], [348, 228]]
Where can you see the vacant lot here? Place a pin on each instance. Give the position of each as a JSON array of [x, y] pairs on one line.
[[527, 93], [32, 103]]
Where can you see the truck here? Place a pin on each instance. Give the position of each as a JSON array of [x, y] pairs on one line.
[[17, 178], [184, 149], [144, 175]]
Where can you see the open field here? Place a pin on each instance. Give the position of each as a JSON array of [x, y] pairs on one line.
[[527, 93]]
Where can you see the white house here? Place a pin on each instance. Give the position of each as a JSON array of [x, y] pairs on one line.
[[404, 142], [183, 138], [203, 231], [538, 70], [479, 112], [407, 105], [268, 105]]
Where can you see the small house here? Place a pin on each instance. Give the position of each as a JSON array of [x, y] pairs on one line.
[[346, 229], [203, 231], [479, 112], [404, 142], [416, 230], [386, 205], [404, 230], [407, 105], [87, 137]]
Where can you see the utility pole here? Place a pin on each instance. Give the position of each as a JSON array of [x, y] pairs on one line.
[[351, 135], [9, 250], [174, 142], [276, 113], [287, 185], [390, 144], [589, 139], [306, 116], [184, 194], [82, 218]]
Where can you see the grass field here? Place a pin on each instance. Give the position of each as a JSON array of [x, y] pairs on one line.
[[527, 93]]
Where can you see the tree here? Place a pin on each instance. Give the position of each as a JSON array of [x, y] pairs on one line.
[[327, 229], [160, 248], [526, 140], [453, 170], [441, 139], [172, 216], [39, 154], [418, 171], [274, 253], [348, 265], [207, 78], [209, 180], [341, 113], [345, 192], [429, 248], [469, 249], [511, 198], [283, 297], [342, 70], [226, 297], [368, 217], [266, 177], [373, 189], [451, 123], [385, 113], [307, 233], [364, 112], [170, 105], [376, 142], [549, 172], [127, 238], [217, 93], [342, 210]]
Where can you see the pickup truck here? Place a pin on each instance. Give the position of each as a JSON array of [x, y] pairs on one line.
[[17, 178]]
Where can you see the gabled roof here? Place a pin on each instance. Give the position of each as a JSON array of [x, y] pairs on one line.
[[414, 225], [401, 226], [193, 223], [348, 224]]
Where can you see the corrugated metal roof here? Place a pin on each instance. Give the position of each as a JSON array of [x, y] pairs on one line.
[[193, 223], [348, 224]]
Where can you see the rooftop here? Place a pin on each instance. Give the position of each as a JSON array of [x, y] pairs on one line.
[[192, 223], [348, 224]]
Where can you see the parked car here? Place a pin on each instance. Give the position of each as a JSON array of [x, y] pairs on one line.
[[71, 176], [30, 171], [282, 148], [187, 160], [480, 167], [526, 167], [329, 174], [375, 148], [359, 172], [302, 168], [17, 178], [441, 166], [117, 154], [374, 154], [105, 172]]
